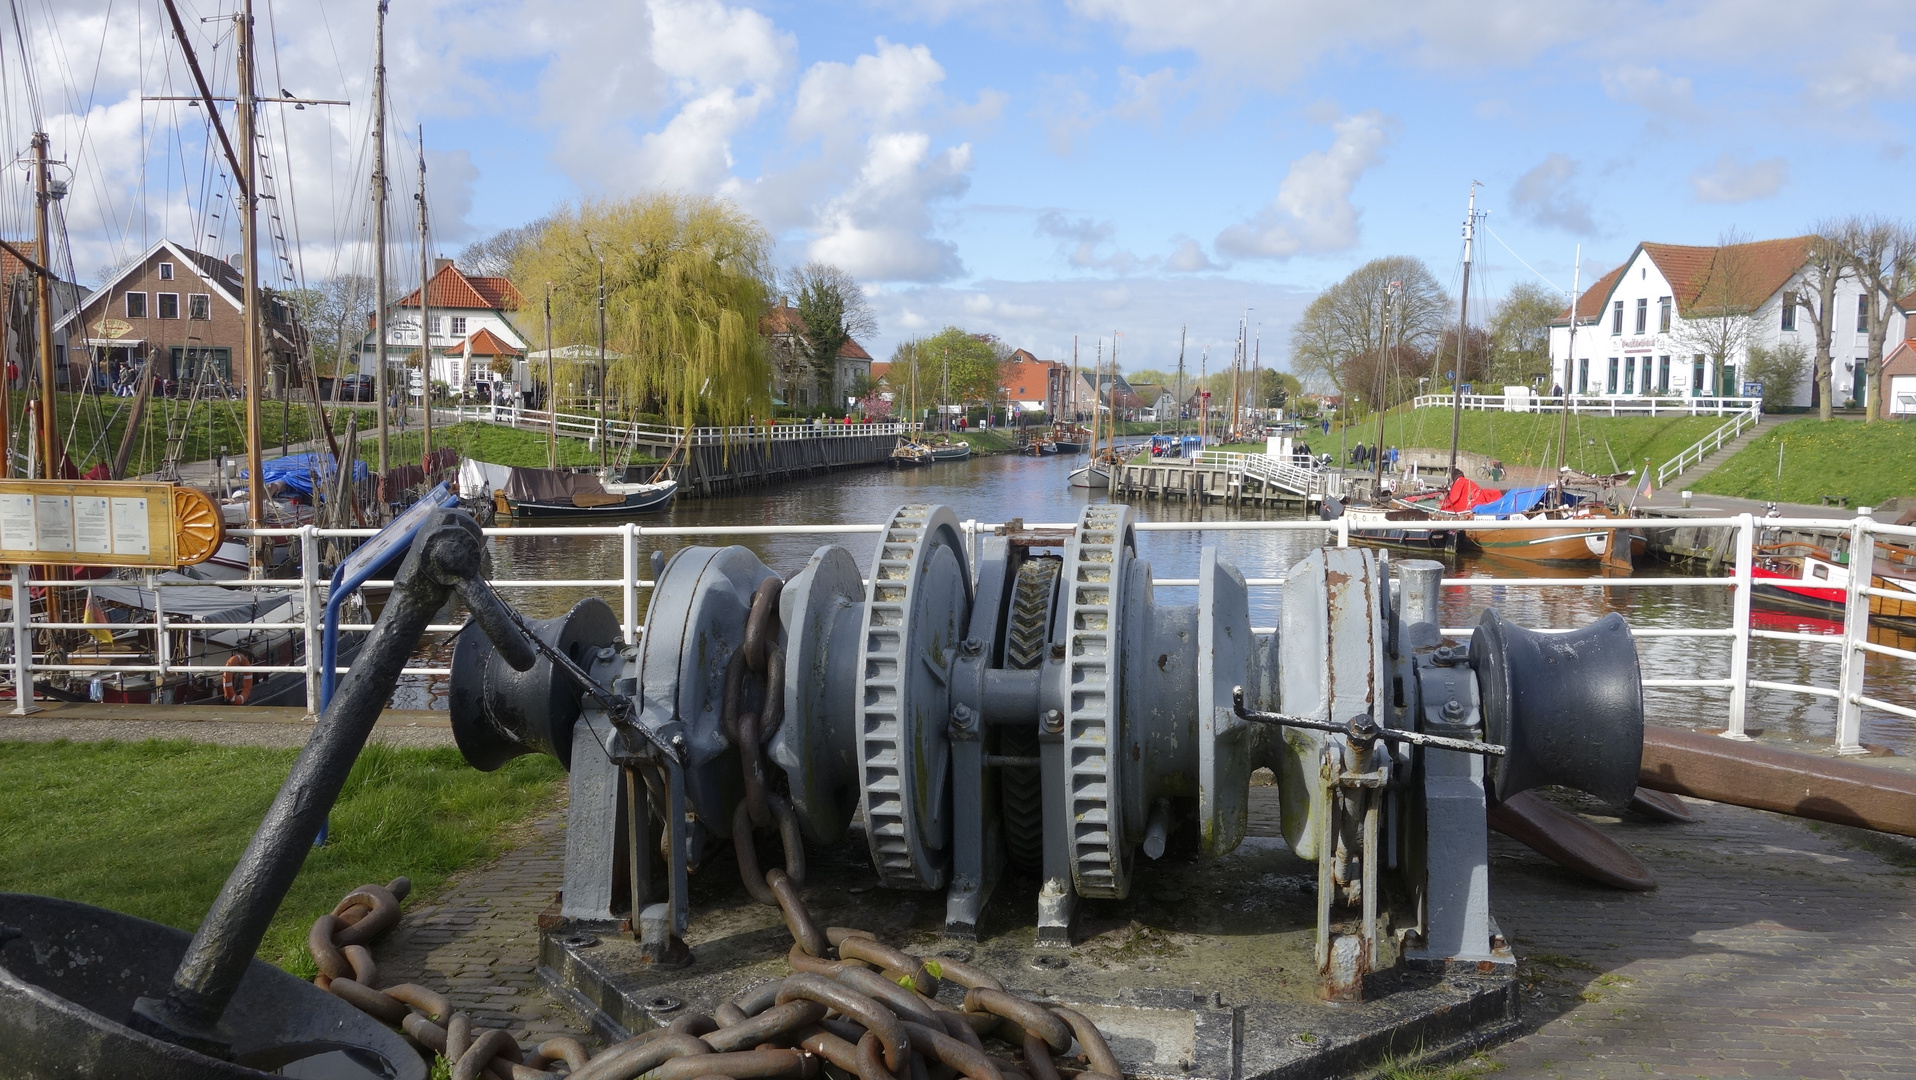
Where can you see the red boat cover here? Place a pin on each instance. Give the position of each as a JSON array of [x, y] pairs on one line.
[[1464, 496]]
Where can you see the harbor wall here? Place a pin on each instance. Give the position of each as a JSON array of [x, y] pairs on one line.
[[730, 467]]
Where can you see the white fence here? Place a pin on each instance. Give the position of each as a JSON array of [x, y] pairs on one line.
[[1276, 472], [1709, 444], [587, 426], [1595, 404], [1850, 694]]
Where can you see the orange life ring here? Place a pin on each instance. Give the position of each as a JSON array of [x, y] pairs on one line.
[[237, 686]]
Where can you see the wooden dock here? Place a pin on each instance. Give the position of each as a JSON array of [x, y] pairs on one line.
[[732, 466]]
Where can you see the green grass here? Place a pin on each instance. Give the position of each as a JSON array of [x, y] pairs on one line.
[[1597, 443], [153, 828], [95, 425], [995, 441], [478, 439], [1867, 462]]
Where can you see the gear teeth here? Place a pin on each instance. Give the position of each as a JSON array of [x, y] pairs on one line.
[[1027, 634]]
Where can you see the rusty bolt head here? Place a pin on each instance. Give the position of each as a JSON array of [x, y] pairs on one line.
[[1057, 652], [1444, 656], [1453, 709], [1053, 721]]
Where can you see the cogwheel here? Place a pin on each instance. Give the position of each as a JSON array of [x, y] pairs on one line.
[[1027, 633]]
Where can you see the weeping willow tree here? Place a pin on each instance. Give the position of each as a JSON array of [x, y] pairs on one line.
[[685, 285]]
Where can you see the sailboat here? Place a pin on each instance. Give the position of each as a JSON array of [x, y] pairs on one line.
[[1094, 473]]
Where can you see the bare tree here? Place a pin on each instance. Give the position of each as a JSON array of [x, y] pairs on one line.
[[1349, 320], [1828, 263], [334, 313], [1721, 317], [1882, 255], [832, 310], [494, 255]]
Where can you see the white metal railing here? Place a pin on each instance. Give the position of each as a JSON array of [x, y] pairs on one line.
[[586, 425], [1309, 482], [1709, 444], [1595, 404], [1851, 693]]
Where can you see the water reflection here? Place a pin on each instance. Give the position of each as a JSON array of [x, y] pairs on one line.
[[996, 489]]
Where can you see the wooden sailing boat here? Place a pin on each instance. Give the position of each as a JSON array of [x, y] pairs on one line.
[[1095, 473]]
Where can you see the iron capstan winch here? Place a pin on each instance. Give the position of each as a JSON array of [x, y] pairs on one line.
[[1032, 701]]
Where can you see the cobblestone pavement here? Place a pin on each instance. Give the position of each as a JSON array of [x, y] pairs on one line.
[[1773, 948]]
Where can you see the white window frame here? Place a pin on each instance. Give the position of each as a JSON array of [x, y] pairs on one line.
[[199, 306], [458, 325], [159, 305], [127, 305], [166, 271]]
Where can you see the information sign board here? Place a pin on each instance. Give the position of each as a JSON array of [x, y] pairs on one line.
[[107, 523]]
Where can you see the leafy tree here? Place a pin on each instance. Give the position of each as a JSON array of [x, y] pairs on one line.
[[1393, 303], [685, 281], [1780, 370], [971, 362], [1520, 333]]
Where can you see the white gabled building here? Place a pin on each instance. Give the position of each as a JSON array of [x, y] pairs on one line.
[[471, 328], [1630, 339]]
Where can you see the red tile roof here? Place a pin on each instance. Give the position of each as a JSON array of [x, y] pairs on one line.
[[1751, 272], [1590, 304], [10, 266], [486, 343], [452, 288]]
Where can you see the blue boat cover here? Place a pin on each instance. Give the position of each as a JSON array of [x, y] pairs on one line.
[[295, 471], [1514, 501]]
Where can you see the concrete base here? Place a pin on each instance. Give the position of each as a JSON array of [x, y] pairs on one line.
[[1205, 972]]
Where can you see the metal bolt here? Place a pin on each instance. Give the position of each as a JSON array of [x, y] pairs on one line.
[[1444, 656], [971, 646], [1053, 721], [1057, 652], [961, 717], [1453, 709]]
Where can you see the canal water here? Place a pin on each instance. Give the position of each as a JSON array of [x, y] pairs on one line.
[[1001, 488]]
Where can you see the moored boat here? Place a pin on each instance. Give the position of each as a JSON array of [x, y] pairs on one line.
[[1810, 579]]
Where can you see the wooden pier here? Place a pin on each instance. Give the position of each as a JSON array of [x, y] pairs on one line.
[[1199, 482], [732, 466]]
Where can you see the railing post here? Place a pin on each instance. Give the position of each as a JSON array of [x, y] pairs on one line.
[[22, 645], [309, 614], [1740, 619], [162, 642], [1343, 532], [1849, 697], [629, 587]]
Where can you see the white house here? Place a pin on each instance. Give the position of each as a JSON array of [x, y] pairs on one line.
[[470, 328], [1630, 325]]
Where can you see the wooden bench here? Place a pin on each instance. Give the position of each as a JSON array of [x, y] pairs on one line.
[[1835, 500]]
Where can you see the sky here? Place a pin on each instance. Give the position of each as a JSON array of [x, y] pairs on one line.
[[1036, 169]]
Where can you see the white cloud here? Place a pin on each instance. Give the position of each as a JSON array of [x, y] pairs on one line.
[[879, 91], [878, 228], [1651, 89], [1080, 241], [1188, 257], [1730, 179], [1861, 75], [1313, 212], [1544, 195]]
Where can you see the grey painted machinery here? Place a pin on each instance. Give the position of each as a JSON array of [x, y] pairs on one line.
[[1036, 703]]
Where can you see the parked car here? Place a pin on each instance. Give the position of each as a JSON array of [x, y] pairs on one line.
[[355, 388]]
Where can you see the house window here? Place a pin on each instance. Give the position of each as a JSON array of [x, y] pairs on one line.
[[1663, 315], [458, 326], [136, 305], [1862, 314], [166, 271], [199, 305], [1663, 374], [1643, 314], [1629, 374], [1696, 375], [1616, 317], [1789, 311], [169, 305], [1610, 384], [434, 326], [1583, 375]]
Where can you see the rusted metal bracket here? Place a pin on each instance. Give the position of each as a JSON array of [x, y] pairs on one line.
[[1835, 790]]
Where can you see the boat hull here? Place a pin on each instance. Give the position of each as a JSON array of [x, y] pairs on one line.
[[633, 504], [1537, 545], [1090, 476]]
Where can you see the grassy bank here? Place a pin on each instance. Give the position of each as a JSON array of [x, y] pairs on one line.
[[93, 426], [1598, 444], [495, 443], [153, 828], [1867, 462]]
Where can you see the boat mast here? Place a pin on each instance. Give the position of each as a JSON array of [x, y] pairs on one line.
[[1097, 377], [1111, 397], [552, 392], [605, 392], [1391, 293], [249, 250], [1180, 404], [1569, 361], [1257, 358], [1463, 330], [380, 390], [425, 318], [43, 297], [1074, 378]]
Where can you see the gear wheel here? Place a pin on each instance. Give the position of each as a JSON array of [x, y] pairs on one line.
[[1027, 633]]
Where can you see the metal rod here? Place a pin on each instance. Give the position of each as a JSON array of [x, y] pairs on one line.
[[1362, 728], [380, 389]]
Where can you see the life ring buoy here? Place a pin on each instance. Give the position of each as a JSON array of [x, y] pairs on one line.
[[237, 685]]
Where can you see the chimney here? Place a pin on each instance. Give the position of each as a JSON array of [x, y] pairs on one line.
[[440, 264]]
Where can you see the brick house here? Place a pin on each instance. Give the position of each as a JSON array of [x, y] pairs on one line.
[[781, 326], [181, 309], [1034, 385]]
